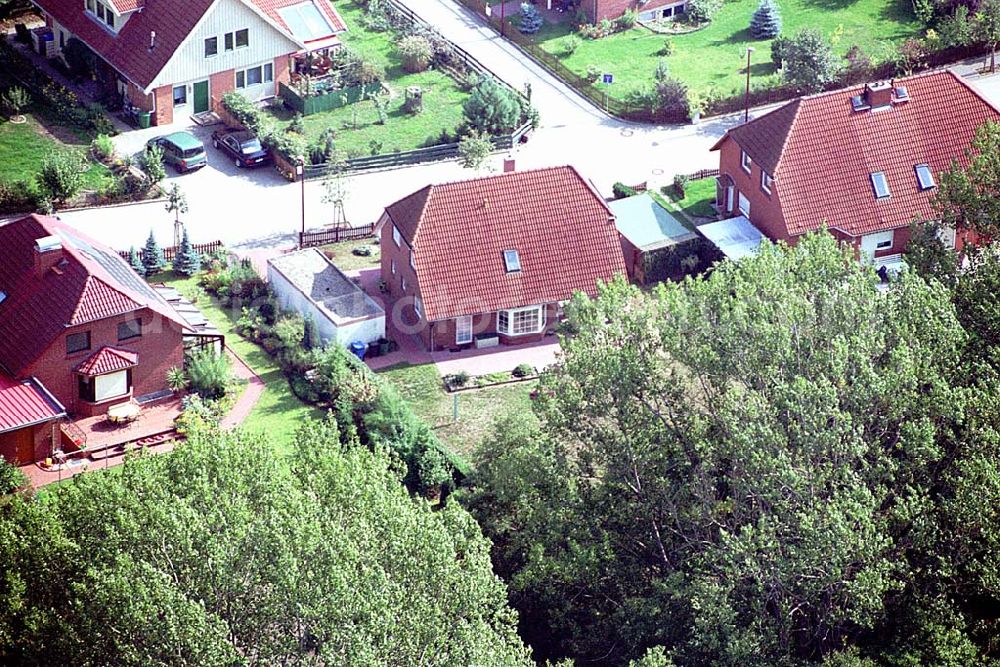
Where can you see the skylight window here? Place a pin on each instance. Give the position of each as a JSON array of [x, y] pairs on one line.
[[305, 21], [925, 177], [3, 296], [512, 261], [880, 185]]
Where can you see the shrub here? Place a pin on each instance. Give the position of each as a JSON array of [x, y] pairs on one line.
[[17, 197], [323, 149], [621, 190], [523, 370], [702, 11], [766, 21], [432, 468], [588, 31], [570, 44], [11, 478], [778, 48], [151, 164], [474, 150], [296, 125], [672, 99], [311, 339], [910, 56], [459, 379], [362, 251], [135, 262], [627, 20], [15, 100], [593, 73], [605, 27], [176, 379], [80, 59], [531, 20], [808, 61], [289, 330], [102, 147], [208, 373], [668, 48], [492, 108], [859, 65], [415, 52], [680, 184], [60, 177]]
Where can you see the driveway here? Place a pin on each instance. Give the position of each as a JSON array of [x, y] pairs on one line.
[[258, 209]]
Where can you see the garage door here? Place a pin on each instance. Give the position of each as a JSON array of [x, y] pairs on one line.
[[18, 447]]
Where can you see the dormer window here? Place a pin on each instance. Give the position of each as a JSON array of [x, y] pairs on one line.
[[745, 161], [102, 12], [512, 261], [880, 185], [925, 177]]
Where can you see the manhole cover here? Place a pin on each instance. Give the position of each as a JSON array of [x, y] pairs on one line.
[[657, 172], [626, 132]]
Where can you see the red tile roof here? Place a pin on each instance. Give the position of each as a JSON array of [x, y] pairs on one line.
[[561, 228], [107, 360], [821, 153], [25, 403], [125, 6], [91, 282]]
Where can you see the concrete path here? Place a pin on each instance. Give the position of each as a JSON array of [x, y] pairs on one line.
[[248, 397]]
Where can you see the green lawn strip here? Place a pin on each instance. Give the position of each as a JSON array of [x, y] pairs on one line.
[[422, 388], [278, 412], [24, 148], [696, 203], [714, 59], [342, 255], [358, 132]]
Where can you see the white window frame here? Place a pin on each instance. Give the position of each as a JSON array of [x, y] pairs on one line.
[[744, 205], [463, 330], [507, 320], [413, 261], [418, 307], [930, 184], [211, 55], [397, 238], [746, 162], [883, 245], [765, 181], [392, 266], [236, 38], [512, 261], [228, 41], [173, 94], [110, 385], [875, 177]]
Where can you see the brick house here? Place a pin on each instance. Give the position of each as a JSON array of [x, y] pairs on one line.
[[78, 325], [864, 162], [179, 57], [490, 260], [649, 10]]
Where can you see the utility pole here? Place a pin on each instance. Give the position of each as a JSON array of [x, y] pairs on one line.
[[503, 18], [746, 99]]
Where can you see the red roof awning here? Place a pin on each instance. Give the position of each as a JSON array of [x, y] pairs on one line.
[[25, 403], [107, 360]]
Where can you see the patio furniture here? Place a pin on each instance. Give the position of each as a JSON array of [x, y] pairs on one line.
[[124, 413]]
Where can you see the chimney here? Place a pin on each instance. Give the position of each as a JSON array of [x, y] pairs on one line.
[[508, 164], [48, 252], [878, 95], [152, 40]]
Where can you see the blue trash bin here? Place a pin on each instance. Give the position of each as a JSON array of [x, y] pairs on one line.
[[358, 349]]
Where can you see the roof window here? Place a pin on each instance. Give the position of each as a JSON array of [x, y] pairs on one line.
[[880, 185], [512, 261], [3, 296], [925, 177]]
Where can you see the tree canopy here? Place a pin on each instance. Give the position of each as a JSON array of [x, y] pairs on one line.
[[221, 553], [782, 464]]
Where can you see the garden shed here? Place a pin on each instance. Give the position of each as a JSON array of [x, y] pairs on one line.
[[308, 283], [654, 242]]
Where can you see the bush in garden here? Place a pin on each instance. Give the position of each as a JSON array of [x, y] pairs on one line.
[[859, 65], [668, 48], [15, 100], [702, 11], [492, 108], [152, 256], [151, 164], [102, 147], [433, 470], [809, 63], [672, 98], [208, 373], [766, 21], [11, 478], [593, 73], [80, 59], [621, 190], [289, 330], [605, 27], [415, 53], [362, 251], [680, 184], [176, 379], [531, 20], [323, 149], [17, 197], [627, 20], [310, 333], [570, 44], [474, 150], [135, 261], [523, 370], [60, 177], [778, 47]]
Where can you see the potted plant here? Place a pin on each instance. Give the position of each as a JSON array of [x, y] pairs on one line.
[[176, 379]]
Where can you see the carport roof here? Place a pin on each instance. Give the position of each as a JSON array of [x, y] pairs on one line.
[[646, 224], [325, 286]]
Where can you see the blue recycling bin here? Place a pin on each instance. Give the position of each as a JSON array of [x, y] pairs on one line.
[[358, 349]]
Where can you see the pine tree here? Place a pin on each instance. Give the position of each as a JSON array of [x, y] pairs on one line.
[[152, 256], [135, 262], [531, 20], [766, 21], [187, 261], [310, 337]]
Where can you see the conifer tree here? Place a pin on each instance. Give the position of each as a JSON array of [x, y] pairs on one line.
[[766, 21], [152, 256], [135, 262], [187, 261], [531, 20]]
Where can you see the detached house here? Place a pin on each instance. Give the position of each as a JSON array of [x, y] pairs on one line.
[[649, 10], [864, 162], [179, 57], [80, 332], [491, 260]]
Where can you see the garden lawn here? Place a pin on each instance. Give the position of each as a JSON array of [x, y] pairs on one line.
[[279, 412], [713, 60], [696, 203], [358, 131], [23, 149], [422, 388], [342, 255]]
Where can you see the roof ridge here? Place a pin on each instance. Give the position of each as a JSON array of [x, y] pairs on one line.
[[788, 136], [504, 174]]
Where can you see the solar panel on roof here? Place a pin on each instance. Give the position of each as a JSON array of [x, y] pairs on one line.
[[305, 21]]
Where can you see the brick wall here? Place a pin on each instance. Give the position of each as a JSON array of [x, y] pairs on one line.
[[221, 83], [765, 209], [606, 9], [159, 348], [282, 71], [164, 114]]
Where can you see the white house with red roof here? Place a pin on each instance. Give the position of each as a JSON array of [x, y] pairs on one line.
[[491, 260], [80, 332], [179, 57], [863, 162]]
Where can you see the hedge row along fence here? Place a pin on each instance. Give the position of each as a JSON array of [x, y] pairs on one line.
[[310, 104], [715, 107]]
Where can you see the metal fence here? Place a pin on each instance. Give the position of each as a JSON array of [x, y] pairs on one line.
[[335, 235]]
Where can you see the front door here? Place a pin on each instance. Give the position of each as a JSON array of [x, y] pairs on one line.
[[200, 96]]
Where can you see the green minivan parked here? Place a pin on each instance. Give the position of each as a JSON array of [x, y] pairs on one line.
[[181, 150]]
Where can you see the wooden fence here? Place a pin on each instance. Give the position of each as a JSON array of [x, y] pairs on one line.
[[333, 99], [170, 252], [703, 173], [335, 235]]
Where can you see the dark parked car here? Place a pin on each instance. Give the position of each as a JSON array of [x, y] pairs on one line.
[[181, 150], [242, 147]]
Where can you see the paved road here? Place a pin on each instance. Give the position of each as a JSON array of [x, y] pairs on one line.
[[260, 210]]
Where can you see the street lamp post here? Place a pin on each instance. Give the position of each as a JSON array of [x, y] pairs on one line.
[[503, 18], [746, 98], [300, 173]]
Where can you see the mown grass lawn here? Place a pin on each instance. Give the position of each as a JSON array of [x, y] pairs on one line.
[[696, 204], [279, 412], [342, 255], [713, 60], [358, 131], [422, 388], [24, 147]]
